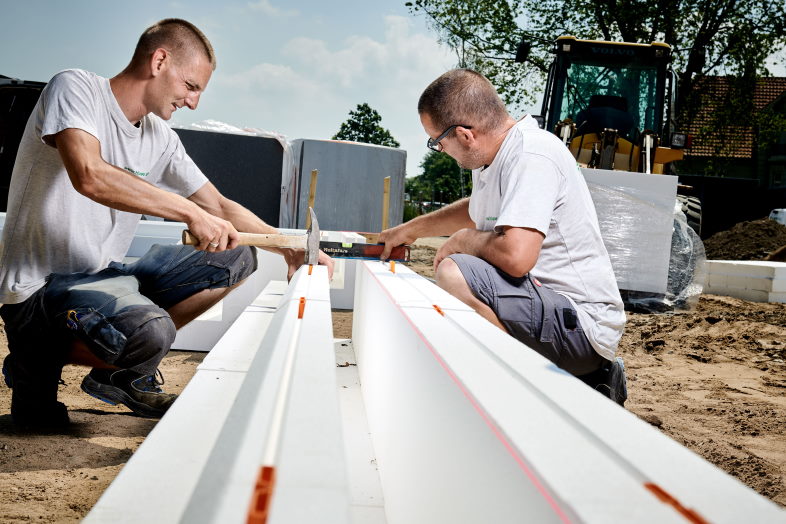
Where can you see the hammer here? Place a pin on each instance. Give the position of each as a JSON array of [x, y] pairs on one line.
[[309, 242]]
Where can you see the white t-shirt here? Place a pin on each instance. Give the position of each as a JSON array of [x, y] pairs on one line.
[[50, 227], [534, 182]]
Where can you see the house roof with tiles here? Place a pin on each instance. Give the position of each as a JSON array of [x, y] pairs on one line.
[[730, 141]]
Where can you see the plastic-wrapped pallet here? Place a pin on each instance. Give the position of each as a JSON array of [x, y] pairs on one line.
[[658, 261]]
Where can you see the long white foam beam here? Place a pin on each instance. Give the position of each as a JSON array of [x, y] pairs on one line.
[[471, 426], [264, 399]]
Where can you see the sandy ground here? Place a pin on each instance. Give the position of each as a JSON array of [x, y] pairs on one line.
[[713, 379]]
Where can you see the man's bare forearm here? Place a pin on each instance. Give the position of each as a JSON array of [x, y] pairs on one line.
[[115, 187], [514, 251], [443, 222], [241, 217]]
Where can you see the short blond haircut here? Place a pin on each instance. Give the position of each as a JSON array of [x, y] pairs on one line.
[[463, 97], [180, 37]]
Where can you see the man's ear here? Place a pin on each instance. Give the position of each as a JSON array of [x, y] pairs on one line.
[[159, 60], [465, 136]]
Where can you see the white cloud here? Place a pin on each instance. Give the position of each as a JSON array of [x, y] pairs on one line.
[[310, 92], [267, 8], [265, 77]]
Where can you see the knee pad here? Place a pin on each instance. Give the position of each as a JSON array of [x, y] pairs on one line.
[[150, 326], [148, 334], [158, 332]]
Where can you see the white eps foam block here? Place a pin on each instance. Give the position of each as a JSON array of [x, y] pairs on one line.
[[754, 280]]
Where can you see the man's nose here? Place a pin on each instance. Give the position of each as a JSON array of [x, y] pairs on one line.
[[192, 100]]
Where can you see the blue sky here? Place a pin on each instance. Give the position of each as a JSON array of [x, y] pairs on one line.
[[295, 68]]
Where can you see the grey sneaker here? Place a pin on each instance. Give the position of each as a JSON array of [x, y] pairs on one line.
[[609, 380], [140, 393], [618, 384]]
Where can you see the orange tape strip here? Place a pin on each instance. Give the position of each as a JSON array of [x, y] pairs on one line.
[[666, 498], [392, 266], [438, 309], [301, 307], [310, 268], [263, 493]]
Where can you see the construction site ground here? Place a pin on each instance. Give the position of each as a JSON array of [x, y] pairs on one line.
[[713, 379]]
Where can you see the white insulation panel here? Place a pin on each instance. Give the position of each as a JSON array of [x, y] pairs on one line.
[[754, 280], [636, 216]]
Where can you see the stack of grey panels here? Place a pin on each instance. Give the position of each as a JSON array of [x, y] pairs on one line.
[[349, 194], [246, 169]]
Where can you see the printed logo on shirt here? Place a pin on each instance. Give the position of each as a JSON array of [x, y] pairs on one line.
[[137, 173], [491, 219]]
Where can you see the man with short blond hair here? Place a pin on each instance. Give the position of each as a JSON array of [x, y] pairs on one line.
[[179, 36], [525, 249], [96, 155]]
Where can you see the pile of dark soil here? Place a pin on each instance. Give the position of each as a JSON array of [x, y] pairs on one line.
[[752, 240]]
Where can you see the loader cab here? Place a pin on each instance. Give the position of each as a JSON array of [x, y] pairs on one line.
[[612, 103], [616, 85]]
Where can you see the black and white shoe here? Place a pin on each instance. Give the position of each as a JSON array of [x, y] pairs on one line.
[[140, 393]]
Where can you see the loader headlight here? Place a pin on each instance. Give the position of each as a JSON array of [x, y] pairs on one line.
[[679, 140]]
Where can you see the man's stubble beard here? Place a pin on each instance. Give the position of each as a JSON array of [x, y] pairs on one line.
[[470, 160]]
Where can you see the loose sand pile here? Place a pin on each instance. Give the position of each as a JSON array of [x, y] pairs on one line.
[[752, 240]]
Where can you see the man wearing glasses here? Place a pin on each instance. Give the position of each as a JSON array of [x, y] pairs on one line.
[[525, 249]]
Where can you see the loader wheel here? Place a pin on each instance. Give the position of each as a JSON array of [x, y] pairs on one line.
[[691, 206]]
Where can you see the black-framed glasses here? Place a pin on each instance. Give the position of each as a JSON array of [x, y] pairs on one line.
[[434, 143]]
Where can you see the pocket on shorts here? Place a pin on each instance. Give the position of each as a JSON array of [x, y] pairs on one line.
[[516, 307], [520, 312], [97, 332]]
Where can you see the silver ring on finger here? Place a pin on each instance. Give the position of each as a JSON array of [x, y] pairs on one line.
[[214, 244]]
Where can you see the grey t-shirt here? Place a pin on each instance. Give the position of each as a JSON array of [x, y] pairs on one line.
[[534, 182], [50, 227]]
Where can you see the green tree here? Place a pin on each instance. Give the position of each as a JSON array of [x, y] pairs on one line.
[[363, 126], [442, 180], [732, 37]]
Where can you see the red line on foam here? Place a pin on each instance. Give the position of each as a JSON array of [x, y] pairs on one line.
[[517, 456]]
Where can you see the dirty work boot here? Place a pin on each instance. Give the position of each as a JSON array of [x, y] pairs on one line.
[[140, 393], [34, 402], [609, 380]]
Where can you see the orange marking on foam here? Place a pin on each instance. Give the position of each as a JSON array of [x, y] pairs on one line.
[[392, 266], [301, 307], [667, 498], [310, 268], [262, 495], [438, 310]]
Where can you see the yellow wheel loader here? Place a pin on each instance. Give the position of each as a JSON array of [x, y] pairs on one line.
[[612, 104]]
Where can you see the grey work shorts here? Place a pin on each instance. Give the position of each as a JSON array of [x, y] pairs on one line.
[[536, 315], [107, 310]]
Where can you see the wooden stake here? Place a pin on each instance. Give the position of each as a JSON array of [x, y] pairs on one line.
[[385, 203], [312, 193]]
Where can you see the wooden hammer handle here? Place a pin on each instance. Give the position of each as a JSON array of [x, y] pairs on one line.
[[256, 239]]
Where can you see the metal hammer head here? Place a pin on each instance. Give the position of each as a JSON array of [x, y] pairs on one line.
[[312, 240]]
